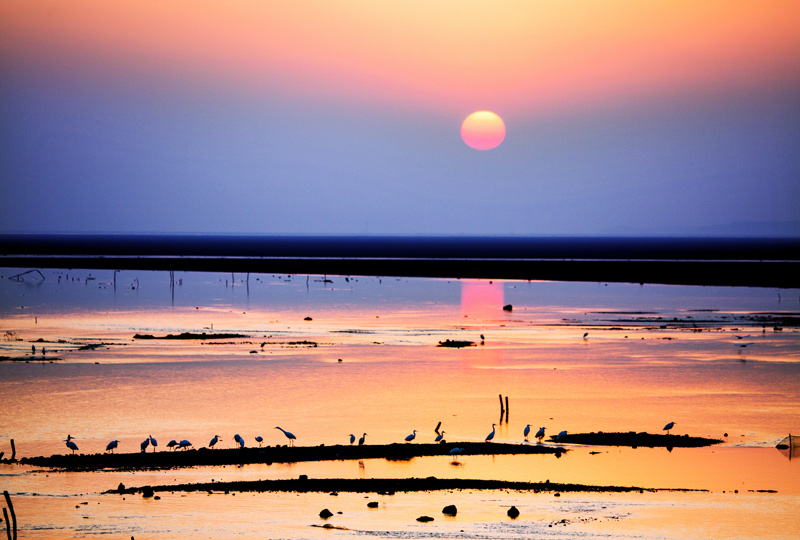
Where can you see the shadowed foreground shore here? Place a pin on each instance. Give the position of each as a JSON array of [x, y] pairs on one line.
[[278, 454], [381, 486]]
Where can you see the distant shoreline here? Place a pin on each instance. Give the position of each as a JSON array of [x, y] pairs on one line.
[[747, 262]]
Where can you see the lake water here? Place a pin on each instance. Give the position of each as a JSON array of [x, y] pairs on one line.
[[359, 355]]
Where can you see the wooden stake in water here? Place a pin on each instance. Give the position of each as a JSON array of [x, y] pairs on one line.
[[13, 516], [13, 450]]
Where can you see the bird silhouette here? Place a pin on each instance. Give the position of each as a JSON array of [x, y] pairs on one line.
[[259, 440], [362, 439], [526, 431], [153, 443], [352, 438], [669, 427], [214, 441], [561, 435], [440, 436], [71, 445], [289, 436], [540, 434], [239, 440], [412, 436], [111, 446], [172, 444], [490, 436], [144, 444], [184, 444]]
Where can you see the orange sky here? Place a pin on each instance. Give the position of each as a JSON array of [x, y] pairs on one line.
[[446, 54]]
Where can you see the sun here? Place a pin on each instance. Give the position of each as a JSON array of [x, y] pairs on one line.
[[483, 130]]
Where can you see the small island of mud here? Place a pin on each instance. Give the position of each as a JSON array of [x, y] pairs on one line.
[[633, 439]]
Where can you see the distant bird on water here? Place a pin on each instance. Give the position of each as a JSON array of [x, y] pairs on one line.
[[527, 431], [153, 443], [540, 434], [669, 427], [412, 436], [362, 439], [214, 441], [352, 438], [561, 435], [585, 335], [490, 436], [172, 444], [111, 446], [71, 445], [239, 440], [440, 436], [144, 444], [289, 436], [259, 440]]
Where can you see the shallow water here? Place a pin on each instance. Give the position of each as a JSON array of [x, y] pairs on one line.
[[367, 362]]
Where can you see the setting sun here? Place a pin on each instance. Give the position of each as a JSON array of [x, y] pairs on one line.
[[483, 130]]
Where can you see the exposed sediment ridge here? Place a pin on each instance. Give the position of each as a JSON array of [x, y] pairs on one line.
[[278, 454], [381, 486], [633, 439]]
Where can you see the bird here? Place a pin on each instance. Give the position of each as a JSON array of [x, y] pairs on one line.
[[111, 446], [561, 435], [352, 438], [259, 440], [214, 441], [412, 436], [172, 444], [540, 434], [263, 343], [71, 445], [585, 335], [490, 436], [145, 443], [153, 443], [239, 440], [289, 436], [440, 436], [669, 427], [743, 345], [526, 431], [362, 439], [184, 444], [455, 452]]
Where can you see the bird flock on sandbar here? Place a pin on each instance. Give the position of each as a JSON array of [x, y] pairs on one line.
[[184, 444]]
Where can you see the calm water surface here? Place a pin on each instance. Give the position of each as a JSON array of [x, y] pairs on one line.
[[359, 355]]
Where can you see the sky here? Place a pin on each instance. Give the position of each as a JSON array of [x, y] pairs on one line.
[[622, 117]]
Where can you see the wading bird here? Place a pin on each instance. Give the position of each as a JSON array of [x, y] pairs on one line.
[[111, 446], [239, 440], [259, 440], [561, 435], [669, 427], [144, 444], [289, 436], [71, 445], [540, 434], [526, 431], [362, 439], [412, 436], [153, 443], [490, 436], [184, 444], [352, 438], [172, 444], [440, 436], [214, 441]]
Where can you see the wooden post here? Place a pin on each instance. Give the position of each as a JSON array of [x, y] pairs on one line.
[[13, 450], [8, 525], [13, 514], [502, 410], [507, 409], [437, 427]]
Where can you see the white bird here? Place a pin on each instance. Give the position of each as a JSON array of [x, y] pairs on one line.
[[71, 445], [259, 440], [289, 436], [526, 431], [669, 427], [490, 436], [362, 439], [352, 438], [145, 443], [239, 440], [214, 441], [440, 436], [184, 444], [153, 443], [111, 446], [561, 435], [172, 444], [412, 436], [540, 434]]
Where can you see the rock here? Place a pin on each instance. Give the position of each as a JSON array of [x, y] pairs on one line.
[[147, 492], [372, 504], [325, 514], [450, 510], [121, 487], [508, 307], [513, 513], [424, 519]]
